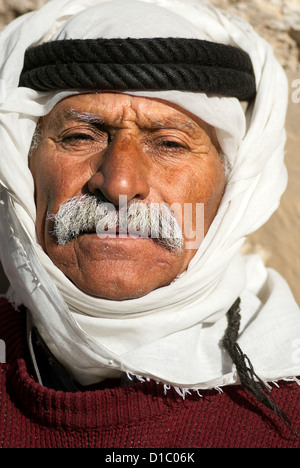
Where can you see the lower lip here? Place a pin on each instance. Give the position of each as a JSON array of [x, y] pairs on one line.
[[93, 241]]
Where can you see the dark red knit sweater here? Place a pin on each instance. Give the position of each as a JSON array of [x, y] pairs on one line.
[[137, 416]]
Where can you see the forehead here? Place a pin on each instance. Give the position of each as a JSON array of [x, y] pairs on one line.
[[113, 108]]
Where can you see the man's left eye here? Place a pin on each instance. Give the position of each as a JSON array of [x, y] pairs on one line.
[[171, 144]]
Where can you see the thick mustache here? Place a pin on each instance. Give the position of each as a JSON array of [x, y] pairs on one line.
[[90, 214]]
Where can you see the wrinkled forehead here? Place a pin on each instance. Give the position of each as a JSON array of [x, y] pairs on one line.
[[113, 109]]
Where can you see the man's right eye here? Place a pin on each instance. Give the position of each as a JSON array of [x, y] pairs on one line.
[[76, 137], [83, 141]]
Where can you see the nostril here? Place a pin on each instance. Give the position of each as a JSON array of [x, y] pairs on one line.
[[113, 183]]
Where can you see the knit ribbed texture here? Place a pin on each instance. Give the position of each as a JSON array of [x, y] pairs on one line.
[[137, 416], [140, 64]]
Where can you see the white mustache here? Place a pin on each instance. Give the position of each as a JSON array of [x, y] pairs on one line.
[[89, 213]]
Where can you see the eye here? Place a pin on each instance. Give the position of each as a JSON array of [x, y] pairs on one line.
[[171, 144], [84, 141], [77, 137]]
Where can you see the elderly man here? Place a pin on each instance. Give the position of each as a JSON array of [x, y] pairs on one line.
[[141, 142]]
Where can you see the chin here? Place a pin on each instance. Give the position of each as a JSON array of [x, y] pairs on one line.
[[111, 291], [119, 295]]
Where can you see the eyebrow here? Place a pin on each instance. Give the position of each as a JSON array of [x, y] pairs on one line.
[[70, 115], [86, 117]]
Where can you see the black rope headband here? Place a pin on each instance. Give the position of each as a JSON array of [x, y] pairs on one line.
[[140, 64]]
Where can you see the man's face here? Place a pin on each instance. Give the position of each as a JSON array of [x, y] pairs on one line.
[[115, 144]]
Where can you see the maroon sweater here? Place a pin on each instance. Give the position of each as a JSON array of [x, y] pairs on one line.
[[136, 416]]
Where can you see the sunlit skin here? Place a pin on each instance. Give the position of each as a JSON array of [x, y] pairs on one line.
[[138, 147]]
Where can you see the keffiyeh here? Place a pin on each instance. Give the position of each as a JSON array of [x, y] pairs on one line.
[[172, 335]]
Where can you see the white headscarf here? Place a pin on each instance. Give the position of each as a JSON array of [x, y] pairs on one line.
[[173, 334]]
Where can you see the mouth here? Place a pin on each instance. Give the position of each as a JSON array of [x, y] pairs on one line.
[[114, 233], [115, 238]]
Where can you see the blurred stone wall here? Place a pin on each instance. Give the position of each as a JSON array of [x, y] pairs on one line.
[[10, 9], [278, 21]]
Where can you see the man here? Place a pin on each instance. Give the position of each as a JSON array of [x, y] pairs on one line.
[[121, 120]]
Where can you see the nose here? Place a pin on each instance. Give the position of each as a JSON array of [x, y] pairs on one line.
[[121, 170]]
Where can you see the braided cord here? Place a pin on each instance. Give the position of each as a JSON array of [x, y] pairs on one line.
[[140, 64], [249, 379]]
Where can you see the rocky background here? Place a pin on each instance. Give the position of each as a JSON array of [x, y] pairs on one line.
[[278, 21]]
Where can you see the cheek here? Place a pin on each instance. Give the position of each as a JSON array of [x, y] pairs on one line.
[[214, 190], [55, 180], [42, 176], [199, 183]]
